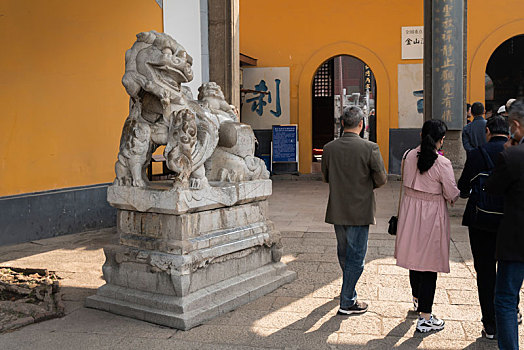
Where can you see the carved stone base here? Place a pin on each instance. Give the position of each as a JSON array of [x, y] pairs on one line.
[[179, 268], [185, 312]]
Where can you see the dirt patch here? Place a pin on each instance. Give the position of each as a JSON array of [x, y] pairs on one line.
[[28, 296]]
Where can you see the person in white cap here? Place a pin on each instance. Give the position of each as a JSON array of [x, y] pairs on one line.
[[502, 111]]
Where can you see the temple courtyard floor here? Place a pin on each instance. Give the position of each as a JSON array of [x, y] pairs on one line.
[[299, 315]]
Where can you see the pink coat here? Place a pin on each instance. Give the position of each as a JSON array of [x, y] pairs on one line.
[[423, 233]]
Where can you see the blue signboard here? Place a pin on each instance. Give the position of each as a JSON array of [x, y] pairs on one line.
[[284, 143]]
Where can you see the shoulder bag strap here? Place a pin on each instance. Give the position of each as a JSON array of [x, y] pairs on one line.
[[402, 179]]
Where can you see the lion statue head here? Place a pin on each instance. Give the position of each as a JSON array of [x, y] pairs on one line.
[[156, 63]]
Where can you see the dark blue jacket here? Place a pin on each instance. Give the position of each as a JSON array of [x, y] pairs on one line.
[[475, 164], [508, 180], [474, 134]]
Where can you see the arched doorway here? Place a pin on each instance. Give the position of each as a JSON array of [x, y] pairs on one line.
[[305, 101], [339, 82], [505, 68]]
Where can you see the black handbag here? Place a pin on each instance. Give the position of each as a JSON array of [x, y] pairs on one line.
[[393, 221], [392, 228]]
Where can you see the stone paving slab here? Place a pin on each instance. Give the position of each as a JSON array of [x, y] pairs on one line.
[[299, 315]]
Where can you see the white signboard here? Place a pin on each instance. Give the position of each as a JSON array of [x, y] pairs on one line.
[[410, 96], [267, 101], [412, 43]]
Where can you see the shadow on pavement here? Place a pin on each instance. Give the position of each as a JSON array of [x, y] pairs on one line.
[[85, 241]]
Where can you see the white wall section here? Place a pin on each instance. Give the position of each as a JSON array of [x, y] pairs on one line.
[[182, 21]]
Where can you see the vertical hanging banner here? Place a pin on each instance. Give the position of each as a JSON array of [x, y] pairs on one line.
[[447, 62], [367, 78], [265, 97]]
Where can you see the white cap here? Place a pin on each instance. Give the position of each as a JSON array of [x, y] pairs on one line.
[[502, 109]]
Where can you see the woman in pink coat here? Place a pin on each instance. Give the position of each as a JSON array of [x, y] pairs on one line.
[[423, 234]]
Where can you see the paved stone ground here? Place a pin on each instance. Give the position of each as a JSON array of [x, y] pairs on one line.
[[300, 315]]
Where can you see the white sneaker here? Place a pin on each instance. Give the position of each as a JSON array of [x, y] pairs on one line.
[[433, 324], [487, 335]]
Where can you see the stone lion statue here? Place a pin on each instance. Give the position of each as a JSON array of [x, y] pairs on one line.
[[163, 112]]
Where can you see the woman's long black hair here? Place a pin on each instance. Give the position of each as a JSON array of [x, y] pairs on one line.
[[432, 131]]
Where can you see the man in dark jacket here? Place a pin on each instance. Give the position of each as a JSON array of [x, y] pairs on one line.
[[481, 238], [508, 180], [474, 133], [353, 167]]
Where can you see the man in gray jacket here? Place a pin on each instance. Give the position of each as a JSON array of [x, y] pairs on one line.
[[353, 167]]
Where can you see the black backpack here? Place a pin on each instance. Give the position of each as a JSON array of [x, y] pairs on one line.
[[489, 209]]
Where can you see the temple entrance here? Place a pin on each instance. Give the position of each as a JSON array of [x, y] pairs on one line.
[[339, 82], [505, 73]]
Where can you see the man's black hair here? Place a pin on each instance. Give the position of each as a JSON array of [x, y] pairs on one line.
[[498, 125], [477, 108]]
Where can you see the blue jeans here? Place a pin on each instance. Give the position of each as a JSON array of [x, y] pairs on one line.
[[352, 245], [510, 275]]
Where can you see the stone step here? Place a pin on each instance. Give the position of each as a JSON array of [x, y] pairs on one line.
[[196, 299], [187, 312]]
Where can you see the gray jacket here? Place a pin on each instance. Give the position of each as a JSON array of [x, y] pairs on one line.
[[474, 134], [353, 167]]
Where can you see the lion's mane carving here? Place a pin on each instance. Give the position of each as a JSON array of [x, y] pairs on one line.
[[162, 112]]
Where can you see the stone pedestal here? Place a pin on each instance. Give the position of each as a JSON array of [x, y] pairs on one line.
[[187, 256]]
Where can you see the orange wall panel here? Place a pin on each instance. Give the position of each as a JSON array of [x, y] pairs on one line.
[[303, 34], [63, 105]]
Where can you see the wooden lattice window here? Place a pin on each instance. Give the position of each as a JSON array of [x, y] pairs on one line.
[[323, 81]]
